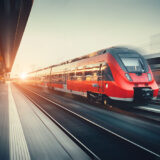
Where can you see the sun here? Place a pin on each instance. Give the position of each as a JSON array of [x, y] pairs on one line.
[[23, 76]]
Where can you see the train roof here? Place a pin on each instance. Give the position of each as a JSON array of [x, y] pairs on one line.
[[112, 50]]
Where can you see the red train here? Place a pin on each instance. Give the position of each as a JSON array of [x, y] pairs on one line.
[[116, 73]]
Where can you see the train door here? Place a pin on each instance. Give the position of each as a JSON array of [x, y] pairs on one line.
[[100, 79], [65, 77], [50, 79]]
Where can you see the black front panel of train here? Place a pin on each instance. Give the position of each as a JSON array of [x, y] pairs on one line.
[[143, 94]]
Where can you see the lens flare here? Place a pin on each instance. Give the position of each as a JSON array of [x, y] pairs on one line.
[[23, 76]]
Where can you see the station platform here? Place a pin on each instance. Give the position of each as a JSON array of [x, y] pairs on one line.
[[28, 134]]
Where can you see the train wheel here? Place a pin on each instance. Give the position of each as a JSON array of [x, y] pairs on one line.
[[90, 98], [106, 103]]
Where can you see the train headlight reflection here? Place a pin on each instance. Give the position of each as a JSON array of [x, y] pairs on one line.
[[128, 77], [149, 77]]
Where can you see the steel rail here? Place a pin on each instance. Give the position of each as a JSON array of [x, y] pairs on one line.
[[81, 145], [94, 124]]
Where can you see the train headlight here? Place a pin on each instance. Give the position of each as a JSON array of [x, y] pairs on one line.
[[128, 77], [149, 77]]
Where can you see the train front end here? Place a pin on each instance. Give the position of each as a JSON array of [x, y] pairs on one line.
[[134, 80]]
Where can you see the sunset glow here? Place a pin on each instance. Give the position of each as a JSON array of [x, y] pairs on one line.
[[23, 76]]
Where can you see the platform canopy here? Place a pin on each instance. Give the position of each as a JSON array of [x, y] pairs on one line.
[[13, 18]]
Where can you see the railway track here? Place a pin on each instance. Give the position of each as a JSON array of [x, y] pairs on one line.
[[156, 101], [98, 141], [148, 113], [141, 112]]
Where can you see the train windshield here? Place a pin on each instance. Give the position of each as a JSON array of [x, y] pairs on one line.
[[133, 65]]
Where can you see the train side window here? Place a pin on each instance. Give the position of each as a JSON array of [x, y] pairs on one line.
[[106, 73], [57, 78], [91, 72], [79, 76], [65, 76], [53, 78], [88, 75], [60, 78], [95, 76], [68, 78], [72, 76]]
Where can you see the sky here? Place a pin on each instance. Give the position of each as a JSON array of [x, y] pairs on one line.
[[59, 30]]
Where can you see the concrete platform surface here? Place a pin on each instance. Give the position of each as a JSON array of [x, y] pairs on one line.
[[28, 134]]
